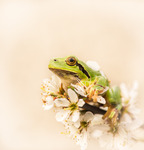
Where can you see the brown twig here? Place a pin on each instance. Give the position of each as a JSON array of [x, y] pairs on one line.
[[93, 109]]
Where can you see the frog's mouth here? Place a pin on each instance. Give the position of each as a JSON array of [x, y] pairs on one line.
[[64, 73]]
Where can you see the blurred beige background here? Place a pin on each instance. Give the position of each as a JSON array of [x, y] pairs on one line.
[[32, 32]]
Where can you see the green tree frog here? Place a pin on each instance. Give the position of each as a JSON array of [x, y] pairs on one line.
[[71, 70]]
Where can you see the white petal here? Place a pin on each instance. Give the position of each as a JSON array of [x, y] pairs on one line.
[[93, 65], [72, 95], [126, 119], [101, 100], [88, 116], [47, 107], [77, 124], [124, 91], [56, 81], [80, 90], [135, 110], [97, 120], [96, 133], [83, 141], [138, 134], [49, 100], [49, 103], [106, 140], [135, 124], [62, 115], [80, 102], [73, 130], [75, 115], [62, 102]]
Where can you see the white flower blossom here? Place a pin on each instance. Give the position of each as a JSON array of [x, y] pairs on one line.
[[122, 139], [118, 141], [79, 131], [129, 100], [51, 86], [128, 127], [70, 108]]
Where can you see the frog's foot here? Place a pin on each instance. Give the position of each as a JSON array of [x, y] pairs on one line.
[[92, 93], [112, 116]]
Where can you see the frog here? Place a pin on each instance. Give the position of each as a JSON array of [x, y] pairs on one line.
[[71, 70]]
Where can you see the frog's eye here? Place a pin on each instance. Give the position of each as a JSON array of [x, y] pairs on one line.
[[71, 61]]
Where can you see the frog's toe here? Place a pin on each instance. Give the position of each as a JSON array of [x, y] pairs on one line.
[[94, 97], [114, 117], [90, 94], [113, 113]]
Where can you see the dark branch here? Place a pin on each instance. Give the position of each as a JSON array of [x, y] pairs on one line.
[[93, 109]]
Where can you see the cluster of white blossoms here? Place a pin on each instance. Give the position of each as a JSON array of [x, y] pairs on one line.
[[81, 124]]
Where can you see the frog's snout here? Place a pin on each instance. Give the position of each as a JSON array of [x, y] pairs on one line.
[[52, 63]]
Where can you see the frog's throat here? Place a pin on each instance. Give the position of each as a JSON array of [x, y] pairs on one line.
[[64, 74]]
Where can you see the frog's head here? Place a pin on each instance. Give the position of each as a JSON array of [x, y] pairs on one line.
[[69, 68]]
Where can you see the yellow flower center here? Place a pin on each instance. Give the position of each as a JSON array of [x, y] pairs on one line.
[[73, 106], [84, 124]]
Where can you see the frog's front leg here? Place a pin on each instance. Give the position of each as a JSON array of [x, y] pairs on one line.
[[114, 103], [95, 87]]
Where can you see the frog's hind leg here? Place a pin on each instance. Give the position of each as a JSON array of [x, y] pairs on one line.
[[113, 98], [112, 116]]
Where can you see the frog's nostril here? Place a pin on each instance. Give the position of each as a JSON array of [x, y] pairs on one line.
[[55, 60]]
